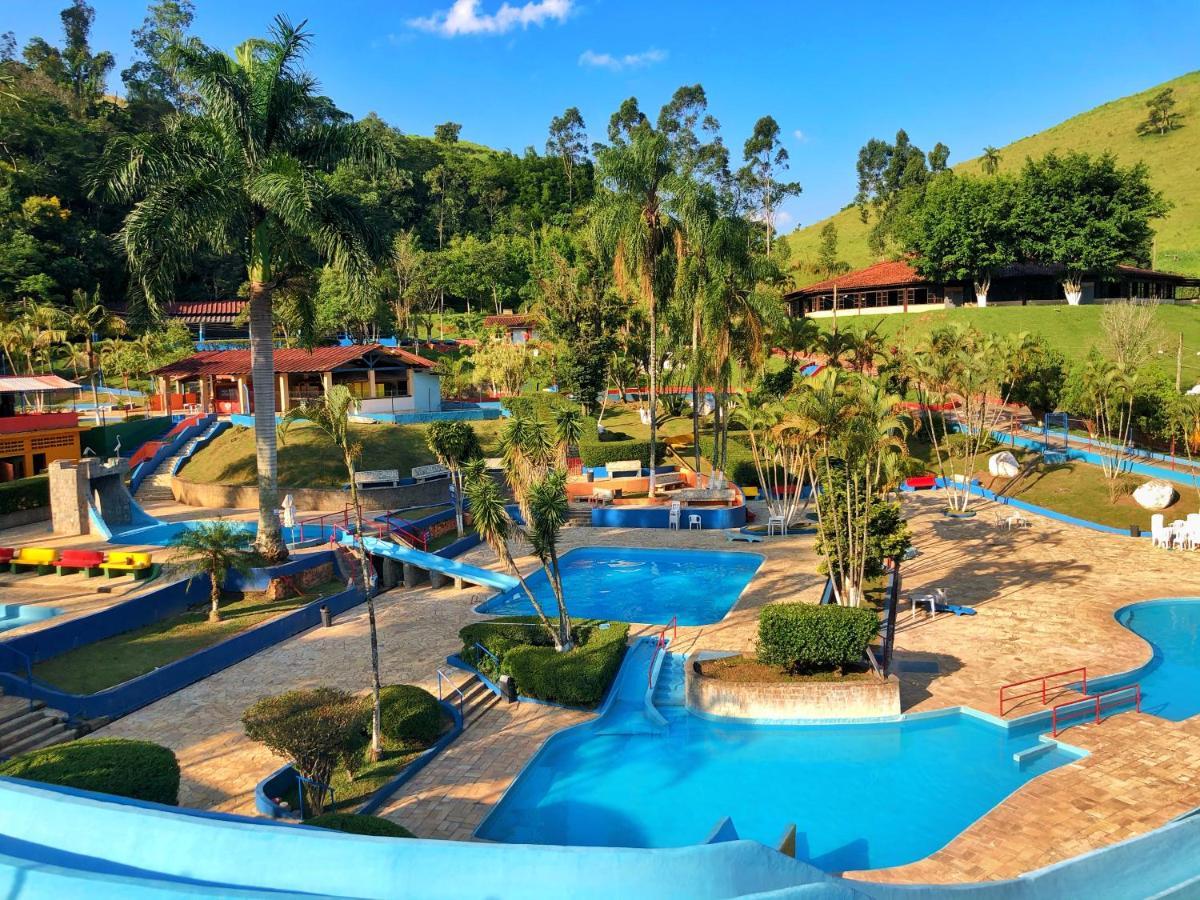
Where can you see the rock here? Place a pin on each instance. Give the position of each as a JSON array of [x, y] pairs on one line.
[[1003, 465], [1156, 494]]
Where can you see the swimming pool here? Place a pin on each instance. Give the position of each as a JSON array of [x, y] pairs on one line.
[[638, 585], [1171, 680], [861, 795], [14, 615]]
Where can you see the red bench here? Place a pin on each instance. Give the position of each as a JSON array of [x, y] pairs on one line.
[[921, 482], [6, 558], [80, 560]]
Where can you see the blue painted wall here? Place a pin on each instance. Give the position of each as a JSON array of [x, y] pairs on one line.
[[659, 516]]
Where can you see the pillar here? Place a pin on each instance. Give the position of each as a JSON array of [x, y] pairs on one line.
[[243, 397], [412, 575], [327, 381], [371, 383], [284, 388], [438, 579], [206, 394], [163, 394], [391, 575]]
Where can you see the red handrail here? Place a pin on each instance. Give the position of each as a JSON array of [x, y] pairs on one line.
[[660, 643], [1042, 690], [1097, 698]]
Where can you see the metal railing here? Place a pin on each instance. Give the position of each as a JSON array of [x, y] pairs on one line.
[[492, 656], [27, 665], [320, 787], [442, 676], [1096, 701], [1042, 680], [660, 644]]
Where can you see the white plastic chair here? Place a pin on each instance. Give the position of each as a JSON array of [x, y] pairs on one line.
[[1193, 531], [695, 522], [776, 522], [1160, 535], [673, 516]]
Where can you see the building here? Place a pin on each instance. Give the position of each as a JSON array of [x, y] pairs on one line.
[[31, 439], [895, 286], [212, 320], [386, 380], [518, 329]]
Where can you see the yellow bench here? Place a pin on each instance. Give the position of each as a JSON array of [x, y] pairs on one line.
[[750, 492], [40, 558], [136, 564]]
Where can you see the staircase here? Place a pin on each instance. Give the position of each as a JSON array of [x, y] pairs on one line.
[[579, 515], [477, 699], [157, 488], [669, 688], [22, 728]]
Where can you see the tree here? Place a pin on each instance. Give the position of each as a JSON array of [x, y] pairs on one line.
[[1103, 392], [447, 132], [1162, 116], [682, 120], [568, 431], [766, 161], [151, 78], [82, 73], [888, 175], [568, 142], [89, 319], [455, 444], [242, 178], [963, 229], [990, 160], [1130, 332], [827, 252], [1039, 374], [330, 414], [212, 548], [547, 503], [1086, 214]]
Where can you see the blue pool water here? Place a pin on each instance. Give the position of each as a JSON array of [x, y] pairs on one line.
[[14, 615], [1171, 680], [636, 585], [861, 796], [163, 533]]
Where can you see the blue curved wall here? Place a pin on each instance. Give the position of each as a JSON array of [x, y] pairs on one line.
[[658, 516]]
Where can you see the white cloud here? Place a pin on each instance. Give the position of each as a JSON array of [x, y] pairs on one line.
[[783, 219], [464, 17], [594, 60], [800, 136]]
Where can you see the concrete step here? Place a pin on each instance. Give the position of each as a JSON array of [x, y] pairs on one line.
[[57, 733], [16, 729], [15, 707]]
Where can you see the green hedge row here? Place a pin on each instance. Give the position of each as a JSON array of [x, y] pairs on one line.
[[24, 493], [409, 715], [576, 678], [351, 823], [741, 469], [597, 453], [102, 440], [137, 769], [540, 405], [801, 637]]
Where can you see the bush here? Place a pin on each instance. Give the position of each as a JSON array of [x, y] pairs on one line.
[[577, 678], [356, 824], [800, 637], [741, 469], [597, 453], [24, 493], [409, 715], [137, 769], [536, 406], [314, 729]]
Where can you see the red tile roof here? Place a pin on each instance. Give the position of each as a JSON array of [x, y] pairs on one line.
[[196, 311], [321, 359], [895, 273], [35, 384], [511, 321]]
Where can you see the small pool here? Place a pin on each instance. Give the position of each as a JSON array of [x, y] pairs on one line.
[[14, 615], [1171, 680], [637, 585], [163, 533], [862, 796]]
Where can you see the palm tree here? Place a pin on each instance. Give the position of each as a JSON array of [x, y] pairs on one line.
[[212, 548], [527, 449], [495, 526], [568, 431], [330, 414], [454, 444], [630, 222], [547, 513], [243, 177], [89, 317], [990, 161]]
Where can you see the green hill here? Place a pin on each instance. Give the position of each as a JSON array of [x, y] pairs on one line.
[[1174, 161]]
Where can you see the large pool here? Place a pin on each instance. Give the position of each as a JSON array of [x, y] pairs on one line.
[[1171, 680], [861, 795], [637, 585]]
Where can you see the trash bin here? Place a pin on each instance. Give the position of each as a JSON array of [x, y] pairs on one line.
[[1135, 531], [508, 688], [326, 618]]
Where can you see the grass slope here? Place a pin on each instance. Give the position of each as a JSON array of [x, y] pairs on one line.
[[1174, 161]]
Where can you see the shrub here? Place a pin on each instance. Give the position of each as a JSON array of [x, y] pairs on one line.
[[800, 637], [314, 729], [137, 769], [597, 453], [24, 493], [356, 824], [536, 406], [741, 469], [409, 715]]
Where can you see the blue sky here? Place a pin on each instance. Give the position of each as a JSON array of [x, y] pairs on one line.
[[833, 74]]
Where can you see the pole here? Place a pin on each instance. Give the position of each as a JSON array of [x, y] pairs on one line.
[[1179, 365]]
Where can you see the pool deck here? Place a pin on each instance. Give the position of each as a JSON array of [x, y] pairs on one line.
[[1045, 598]]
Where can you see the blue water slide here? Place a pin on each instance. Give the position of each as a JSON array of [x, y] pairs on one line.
[[434, 563]]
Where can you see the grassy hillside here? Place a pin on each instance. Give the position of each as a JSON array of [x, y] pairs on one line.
[[1072, 330], [1174, 161]]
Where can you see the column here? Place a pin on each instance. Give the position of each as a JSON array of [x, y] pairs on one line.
[[284, 387], [243, 398], [163, 394], [371, 383], [327, 381], [206, 398]]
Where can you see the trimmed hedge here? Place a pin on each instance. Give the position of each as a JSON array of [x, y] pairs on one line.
[[409, 715], [597, 453], [102, 439], [136, 769], [801, 637], [539, 406], [351, 823], [741, 469], [24, 493], [577, 678]]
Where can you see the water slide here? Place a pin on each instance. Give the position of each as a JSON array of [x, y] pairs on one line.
[[434, 563]]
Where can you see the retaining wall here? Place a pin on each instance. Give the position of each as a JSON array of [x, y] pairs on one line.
[[235, 496], [791, 701]]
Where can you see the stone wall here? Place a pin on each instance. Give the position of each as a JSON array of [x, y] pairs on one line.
[[291, 585], [232, 496], [857, 699]]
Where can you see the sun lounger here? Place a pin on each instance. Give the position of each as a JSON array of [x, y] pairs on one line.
[[749, 537]]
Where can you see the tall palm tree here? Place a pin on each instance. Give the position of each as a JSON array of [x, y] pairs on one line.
[[568, 431], [631, 223], [213, 549], [990, 160], [243, 177], [528, 450], [88, 318], [330, 413], [454, 444]]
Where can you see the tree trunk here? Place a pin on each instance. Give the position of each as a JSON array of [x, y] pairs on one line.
[[653, 384], [367, 573], [262, 367], [214, 597], [696, 391]]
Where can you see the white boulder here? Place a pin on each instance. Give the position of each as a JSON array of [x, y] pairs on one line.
[[1003, 465], [1156, 494]]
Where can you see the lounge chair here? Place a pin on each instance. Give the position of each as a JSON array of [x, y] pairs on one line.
[[733, 534], [41, 558], [138, 565]]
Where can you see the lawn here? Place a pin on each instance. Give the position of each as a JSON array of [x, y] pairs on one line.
[[117, 659]]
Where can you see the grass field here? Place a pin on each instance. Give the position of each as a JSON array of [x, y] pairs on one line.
[[1173, 159], [117, 659], [1071, 330]]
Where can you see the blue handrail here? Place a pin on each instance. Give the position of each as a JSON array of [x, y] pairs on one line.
[[494, 658], [27, 664], [322, 788]]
